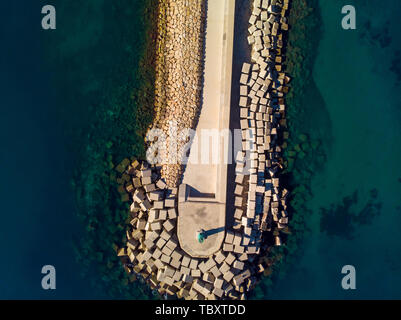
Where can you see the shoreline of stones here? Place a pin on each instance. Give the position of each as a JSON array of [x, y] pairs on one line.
[[262, 120], [152, 250], [179, 72]]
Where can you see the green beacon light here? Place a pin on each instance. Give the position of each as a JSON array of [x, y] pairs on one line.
[[200, 235]]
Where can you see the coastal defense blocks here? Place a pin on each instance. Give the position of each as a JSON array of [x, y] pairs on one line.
[[230, 266]]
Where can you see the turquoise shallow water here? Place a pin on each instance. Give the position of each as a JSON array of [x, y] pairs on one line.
[[356, 198]]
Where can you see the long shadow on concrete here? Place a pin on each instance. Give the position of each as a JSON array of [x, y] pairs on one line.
[[213, 231], [242, 53]]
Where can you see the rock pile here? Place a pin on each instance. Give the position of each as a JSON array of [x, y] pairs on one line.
[[153, 251], [179, 72], [260, 201]]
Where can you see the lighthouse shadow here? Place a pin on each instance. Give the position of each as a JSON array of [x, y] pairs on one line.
[[213, 231]]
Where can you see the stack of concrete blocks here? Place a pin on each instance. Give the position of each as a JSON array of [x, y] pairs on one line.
[[262, 119], [152, 250]]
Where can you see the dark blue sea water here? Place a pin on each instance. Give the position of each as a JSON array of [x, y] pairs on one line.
[[36, 160]]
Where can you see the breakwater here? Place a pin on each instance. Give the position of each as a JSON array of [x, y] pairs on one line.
[[153, 250], [304, 155], [262, 113]]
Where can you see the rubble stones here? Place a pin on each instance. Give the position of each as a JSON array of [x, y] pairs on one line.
[[179, 72]]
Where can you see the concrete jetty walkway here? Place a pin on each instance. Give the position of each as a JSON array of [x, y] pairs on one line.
[[202, 196]]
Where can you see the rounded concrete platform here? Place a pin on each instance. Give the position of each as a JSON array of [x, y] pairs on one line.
[[209, 216]]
